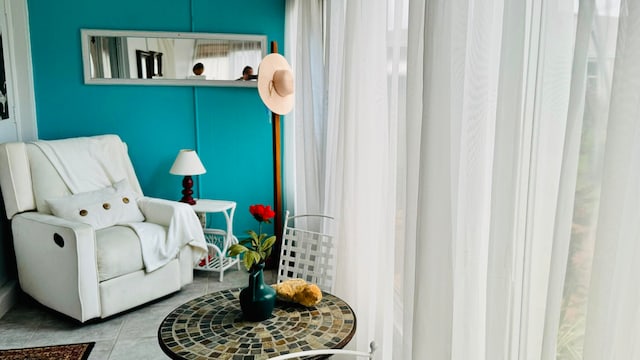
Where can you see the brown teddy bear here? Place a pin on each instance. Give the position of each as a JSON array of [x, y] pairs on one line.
[[298, 291]]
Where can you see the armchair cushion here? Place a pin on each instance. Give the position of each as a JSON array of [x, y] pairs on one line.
[[112, 244], [102, 208]]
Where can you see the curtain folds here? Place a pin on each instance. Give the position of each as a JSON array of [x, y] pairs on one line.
[[482, 158], [341, 115], [305, 128], [361, 189], [471, 134], [613, 310]]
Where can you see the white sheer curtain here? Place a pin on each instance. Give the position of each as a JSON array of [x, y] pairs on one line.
[[343, 162], [361, 157], [498, 219], [608, 191], [469, 148], [305, 127], [529, 180]]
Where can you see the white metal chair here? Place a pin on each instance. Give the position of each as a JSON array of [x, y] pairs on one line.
[[351, 353], [307, 250]]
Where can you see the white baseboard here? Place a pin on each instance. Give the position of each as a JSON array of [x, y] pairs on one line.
[[8, 296]]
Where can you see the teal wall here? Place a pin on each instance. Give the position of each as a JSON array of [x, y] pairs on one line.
[[229, 127]]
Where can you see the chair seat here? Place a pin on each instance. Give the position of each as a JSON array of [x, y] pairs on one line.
[[111, 244]]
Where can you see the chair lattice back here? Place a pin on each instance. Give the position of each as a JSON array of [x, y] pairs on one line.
[[307, 250]]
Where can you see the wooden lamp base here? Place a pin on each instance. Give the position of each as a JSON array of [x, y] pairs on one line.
[[187, 184]]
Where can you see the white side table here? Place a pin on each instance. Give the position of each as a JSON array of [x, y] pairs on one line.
[[218, 240]]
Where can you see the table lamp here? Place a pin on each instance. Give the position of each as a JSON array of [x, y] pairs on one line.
[[187, 163]]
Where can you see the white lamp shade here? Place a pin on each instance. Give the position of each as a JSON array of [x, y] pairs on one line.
[[187, 163]]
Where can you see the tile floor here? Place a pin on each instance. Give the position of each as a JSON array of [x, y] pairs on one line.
[[129, 335]]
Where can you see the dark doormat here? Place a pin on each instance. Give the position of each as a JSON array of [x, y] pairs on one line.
[[53, 352]]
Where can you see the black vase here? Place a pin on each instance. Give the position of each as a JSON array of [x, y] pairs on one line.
[[258, 299]]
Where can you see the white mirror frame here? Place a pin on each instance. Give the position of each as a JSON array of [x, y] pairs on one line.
[[85, 35]]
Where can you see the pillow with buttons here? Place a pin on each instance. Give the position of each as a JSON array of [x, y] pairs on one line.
[[102, 208]]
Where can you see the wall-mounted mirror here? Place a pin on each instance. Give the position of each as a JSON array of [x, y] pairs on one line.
[[171, 58]]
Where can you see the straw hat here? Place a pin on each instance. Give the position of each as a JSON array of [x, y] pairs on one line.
[[275, 83]]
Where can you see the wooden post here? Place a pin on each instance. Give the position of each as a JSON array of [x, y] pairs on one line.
[[277, 183]]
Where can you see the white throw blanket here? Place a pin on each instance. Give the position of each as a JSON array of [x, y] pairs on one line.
[[92, 163], [159, 247]]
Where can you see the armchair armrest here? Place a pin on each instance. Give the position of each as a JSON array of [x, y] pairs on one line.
[[160, 211], [183, 225], [56, 261]]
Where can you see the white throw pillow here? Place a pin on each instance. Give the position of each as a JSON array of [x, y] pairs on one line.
[[102, 208]]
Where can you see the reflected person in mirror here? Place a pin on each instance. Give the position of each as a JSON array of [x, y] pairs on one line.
[[247, 74], [198, 71]]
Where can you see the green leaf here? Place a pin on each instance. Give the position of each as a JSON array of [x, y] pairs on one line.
[[246, 241], [251, 257], [237, 249], [253, 239], [248, 259], [268, 243]]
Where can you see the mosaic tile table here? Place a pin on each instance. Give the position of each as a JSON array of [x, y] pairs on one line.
[[211, 327]]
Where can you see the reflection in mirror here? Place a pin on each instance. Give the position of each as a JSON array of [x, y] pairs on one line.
[[134, 57]]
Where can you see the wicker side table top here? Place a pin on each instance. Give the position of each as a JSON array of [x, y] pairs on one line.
[[211, 327]]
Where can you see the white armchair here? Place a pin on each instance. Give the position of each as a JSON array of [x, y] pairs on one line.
[[77, 215]]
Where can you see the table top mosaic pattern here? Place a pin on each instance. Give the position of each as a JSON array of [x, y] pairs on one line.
[[211, 327]]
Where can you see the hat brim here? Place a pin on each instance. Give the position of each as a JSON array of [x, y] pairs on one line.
[[270, 64]]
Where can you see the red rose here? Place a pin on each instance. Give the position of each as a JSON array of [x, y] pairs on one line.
[[268, 213], [262, 213]]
